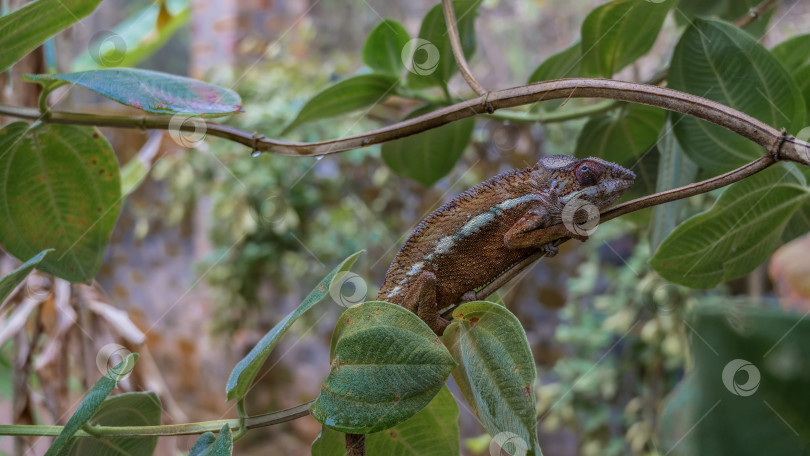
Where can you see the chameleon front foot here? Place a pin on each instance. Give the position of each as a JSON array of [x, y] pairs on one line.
[[421, 300]]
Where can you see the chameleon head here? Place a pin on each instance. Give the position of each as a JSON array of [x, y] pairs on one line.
[[597, 181]]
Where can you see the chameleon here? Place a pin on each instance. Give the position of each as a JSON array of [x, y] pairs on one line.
[[482, 238]]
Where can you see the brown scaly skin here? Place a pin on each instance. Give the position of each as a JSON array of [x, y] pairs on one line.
[[483, 233]]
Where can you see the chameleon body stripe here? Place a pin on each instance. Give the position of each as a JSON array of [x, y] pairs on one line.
[[475, 224]]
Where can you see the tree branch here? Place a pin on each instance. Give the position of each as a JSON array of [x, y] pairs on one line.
[[755, 13], [455, 44], [661, 97]]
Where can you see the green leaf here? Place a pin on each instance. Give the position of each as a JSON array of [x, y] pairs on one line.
[[90, 404], [794, 52], [795, 56], [799, 224], [13, 278], [151, 91], [127, 409], [428, 156], [208, 445], [564, 64], [347, 95], [432, 58], [617, 33], [719, 61], [59, 188], [135, 39], [432, 431], [622, 134], [242, 375], [25, 28], [496, 372], [749, 391], [675, 169], [736, 235], [387, 365], [730, 10], [383, 49]]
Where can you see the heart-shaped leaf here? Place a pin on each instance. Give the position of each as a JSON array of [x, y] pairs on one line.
[[347, 95], [623, 134], [496, 373], [383, 49], [431, 57], [245, 371], [25, 28], [617, 33], [210, 445], [13, 278], [59, 188], [428, 156], [737, 234], [720, 62], [431, 432], [151, 91], [127, 409], [90, 404], [387, 365]]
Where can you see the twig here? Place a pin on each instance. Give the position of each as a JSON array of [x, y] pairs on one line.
[[755, 12], [455, 44], [252, 422]]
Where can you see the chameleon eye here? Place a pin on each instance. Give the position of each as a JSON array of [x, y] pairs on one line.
[[588, 173]]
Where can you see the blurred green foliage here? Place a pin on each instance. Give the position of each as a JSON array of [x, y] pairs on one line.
[[277, 221]]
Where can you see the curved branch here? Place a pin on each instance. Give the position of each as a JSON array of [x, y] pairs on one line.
[[755, 13], [455, 44], [672, 100]]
